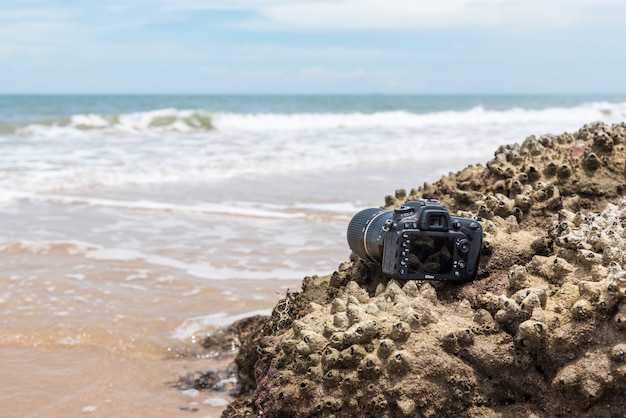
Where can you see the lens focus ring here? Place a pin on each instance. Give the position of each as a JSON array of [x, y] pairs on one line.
[[363, 232]]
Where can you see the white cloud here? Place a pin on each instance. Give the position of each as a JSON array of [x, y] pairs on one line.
[[220, 4], [32, 30], [422, 14], [408, 14], [368, 14]]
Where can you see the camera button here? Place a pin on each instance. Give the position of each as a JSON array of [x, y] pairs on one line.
[[463, 246], [402, 271], [473, 226], [461, 264]]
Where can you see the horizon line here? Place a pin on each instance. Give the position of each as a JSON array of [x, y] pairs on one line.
[[310, 94]]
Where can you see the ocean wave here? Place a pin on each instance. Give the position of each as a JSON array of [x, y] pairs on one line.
[[168, 146], [189, 121], [248, 209], [138, 123], [199, 269], [404, 119]]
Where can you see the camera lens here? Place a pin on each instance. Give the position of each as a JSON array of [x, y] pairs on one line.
[[364, 231]]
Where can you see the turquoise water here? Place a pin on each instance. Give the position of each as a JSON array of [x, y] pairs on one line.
[[21, 109]]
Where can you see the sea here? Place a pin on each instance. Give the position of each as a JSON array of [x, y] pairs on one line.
[[133, 226]]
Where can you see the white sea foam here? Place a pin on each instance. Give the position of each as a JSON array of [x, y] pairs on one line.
[[173, 120], [248, 209], [192, 326], [171, 145], [344, 208], [216, 402], [201, 269], [247, 269], [117, 254]]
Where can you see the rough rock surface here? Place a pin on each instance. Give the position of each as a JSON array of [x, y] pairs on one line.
[[541, 332]]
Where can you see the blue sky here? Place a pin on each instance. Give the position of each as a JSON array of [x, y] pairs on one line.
[[313, 46]]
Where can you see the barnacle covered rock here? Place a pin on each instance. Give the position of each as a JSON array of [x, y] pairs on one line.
[[541, 332], [366, 359]]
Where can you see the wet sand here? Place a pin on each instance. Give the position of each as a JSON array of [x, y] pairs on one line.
[[105, 294]]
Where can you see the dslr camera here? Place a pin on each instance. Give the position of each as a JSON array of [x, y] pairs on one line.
[[419, 240]]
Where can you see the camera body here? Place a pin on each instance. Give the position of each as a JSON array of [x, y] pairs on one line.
[[419, 240]]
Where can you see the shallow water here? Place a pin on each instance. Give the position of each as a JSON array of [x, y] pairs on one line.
[[105, 294]]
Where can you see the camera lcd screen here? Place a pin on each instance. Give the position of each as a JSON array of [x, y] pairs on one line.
[[430, 254]]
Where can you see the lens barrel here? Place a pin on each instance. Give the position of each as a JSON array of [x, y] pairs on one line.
[[364, 231]]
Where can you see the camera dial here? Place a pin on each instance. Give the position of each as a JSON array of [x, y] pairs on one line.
[[463, 246], [403, 211]]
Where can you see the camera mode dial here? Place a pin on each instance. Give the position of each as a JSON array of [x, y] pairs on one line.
[[403, 211]]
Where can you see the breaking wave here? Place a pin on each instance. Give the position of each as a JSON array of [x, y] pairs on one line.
[[152, 122], [169, 145], [186, 121]]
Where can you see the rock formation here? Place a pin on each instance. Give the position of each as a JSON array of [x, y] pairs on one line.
[[541, 332]]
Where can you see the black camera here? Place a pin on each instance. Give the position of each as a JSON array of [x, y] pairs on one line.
[[419, 240]]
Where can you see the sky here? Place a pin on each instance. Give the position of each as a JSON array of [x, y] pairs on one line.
[[313, 46]]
